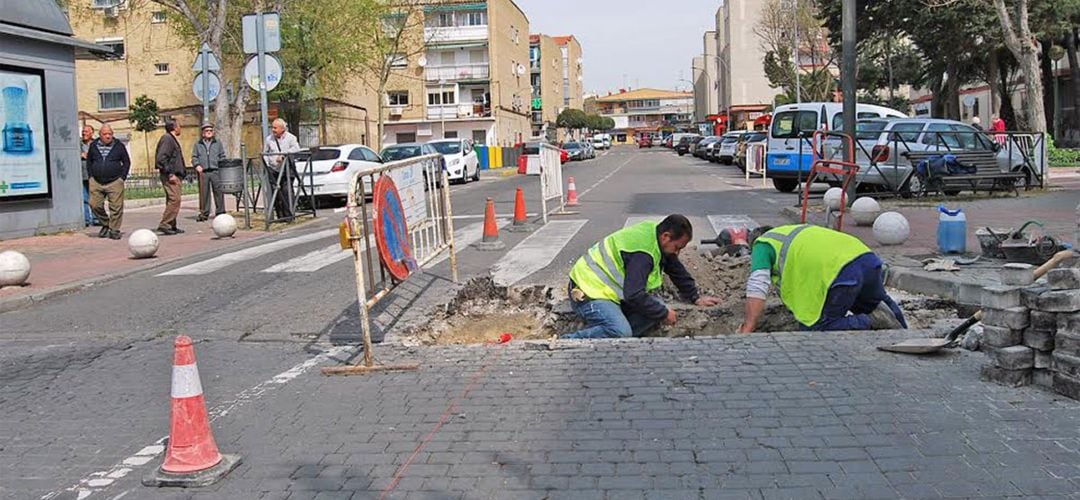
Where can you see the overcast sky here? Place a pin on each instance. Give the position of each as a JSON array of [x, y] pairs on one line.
[[648, 42]]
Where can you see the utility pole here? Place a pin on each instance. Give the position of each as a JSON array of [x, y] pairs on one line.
[[847, 75], [264, 103]]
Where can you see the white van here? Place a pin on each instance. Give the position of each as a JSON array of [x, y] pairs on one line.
[[790, 145]]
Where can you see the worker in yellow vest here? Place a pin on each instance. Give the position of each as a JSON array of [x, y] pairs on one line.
[[822, 275], [611, 285]]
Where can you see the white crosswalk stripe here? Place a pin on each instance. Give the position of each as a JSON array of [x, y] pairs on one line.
[[312, 261], [222, 261], [535, 252], [464, 237]]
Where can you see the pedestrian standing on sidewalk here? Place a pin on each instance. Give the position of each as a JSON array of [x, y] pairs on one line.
[[205, 156], [997, 125], [281, 141], [108, 165], [84, 150], [169, 159]]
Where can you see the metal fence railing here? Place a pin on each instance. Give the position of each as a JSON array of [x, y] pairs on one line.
[[551, 180]]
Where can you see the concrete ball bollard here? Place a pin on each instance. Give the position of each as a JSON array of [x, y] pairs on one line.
[[891, 228], [14, 268], [832, 199], [865, 211], [143, 244], [224, 226]]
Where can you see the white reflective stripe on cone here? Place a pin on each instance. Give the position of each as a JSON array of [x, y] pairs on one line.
[[185, 381]]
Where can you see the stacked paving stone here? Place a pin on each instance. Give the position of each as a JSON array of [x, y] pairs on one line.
[[1032, 330]]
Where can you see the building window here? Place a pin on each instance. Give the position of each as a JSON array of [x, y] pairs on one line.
[[157, 17], [450, 134], [398, 97], [405, 137], [474, 18], [444, 20], [444, 98], [112, 99], [398, 61], [116, 44], [479, 137], [161, 69]]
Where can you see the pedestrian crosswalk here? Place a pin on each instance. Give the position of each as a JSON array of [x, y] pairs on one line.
[[534, 253]]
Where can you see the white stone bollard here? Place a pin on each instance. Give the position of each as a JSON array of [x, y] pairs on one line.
[[224, 226], [865, 211], [14, 268], [832, 199], [891, 228], [143, 243]]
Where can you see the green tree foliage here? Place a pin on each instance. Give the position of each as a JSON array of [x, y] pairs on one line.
[[572, 119], [776, 31], [143, 113]]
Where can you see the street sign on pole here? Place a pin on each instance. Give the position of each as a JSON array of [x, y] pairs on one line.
[[211, 85], [272, 69], [205, 56], [271, 26]]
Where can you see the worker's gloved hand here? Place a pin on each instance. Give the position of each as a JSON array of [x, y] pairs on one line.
[[671, 318], [707, 301]]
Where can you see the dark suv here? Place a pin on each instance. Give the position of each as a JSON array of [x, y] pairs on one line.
[[684, 144]]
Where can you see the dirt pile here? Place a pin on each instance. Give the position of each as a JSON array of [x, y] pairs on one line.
[[719, 275], [482, 311]]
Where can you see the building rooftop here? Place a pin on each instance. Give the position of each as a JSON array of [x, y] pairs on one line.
[[630, 95]]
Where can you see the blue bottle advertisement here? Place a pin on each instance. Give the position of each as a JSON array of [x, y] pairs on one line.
[[24, 168]]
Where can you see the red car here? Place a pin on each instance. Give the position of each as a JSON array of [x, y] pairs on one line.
[[564, 156], [644, 142]]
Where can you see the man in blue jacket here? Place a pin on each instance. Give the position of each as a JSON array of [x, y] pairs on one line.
[[108, 164]]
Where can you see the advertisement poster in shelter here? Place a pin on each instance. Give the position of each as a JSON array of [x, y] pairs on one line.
[[24, 160]]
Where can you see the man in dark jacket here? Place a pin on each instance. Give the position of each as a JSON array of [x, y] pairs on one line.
[[108, 165], [169, 160], [84, 152], [205, 156]]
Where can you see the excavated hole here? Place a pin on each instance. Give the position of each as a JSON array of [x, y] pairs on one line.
[[482, 311]]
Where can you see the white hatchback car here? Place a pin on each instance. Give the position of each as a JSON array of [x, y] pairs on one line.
[[462, 164], [333, 167]]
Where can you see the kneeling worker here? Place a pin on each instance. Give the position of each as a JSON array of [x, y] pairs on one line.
[[822, 274], [611, 285]]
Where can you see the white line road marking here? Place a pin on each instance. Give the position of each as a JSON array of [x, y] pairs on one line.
[[481, 216], [97, 482], [223, 261], [720, 222], [606, 177], [464, 237], [312, 261], [535, 252]]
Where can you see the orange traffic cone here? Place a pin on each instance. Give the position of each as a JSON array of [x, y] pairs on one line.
[[192, 458], [521, 218], [571, 194], [490, 240]]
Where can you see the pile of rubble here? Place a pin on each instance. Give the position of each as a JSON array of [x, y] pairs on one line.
[[1032, 329]]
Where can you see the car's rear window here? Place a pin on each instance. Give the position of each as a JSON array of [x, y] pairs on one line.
[[321, 154], [447, 148], [394, 153], [870, 130], [792, 124]]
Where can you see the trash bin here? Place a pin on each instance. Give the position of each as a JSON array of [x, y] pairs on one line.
[[231, 174]]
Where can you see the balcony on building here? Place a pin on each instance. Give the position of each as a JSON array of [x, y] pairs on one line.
[[461, 63], [458, 101], [453, 23]]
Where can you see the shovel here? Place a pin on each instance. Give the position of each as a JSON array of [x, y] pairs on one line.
[[929, 345]]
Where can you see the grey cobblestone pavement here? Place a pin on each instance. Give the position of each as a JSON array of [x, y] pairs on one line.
[[761, 416]]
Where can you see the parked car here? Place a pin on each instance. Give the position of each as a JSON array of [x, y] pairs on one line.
[[667, 142], [756, 137], [644, 142], [607, 140], [564, 155], [576, 150], [702, 147], [462, 164], [884, 144], [408, 150], [590, 151], [726, 153], [598, 142], [333, 168], [683, 146]]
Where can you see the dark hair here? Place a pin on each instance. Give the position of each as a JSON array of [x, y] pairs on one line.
[[757, 232], [170, 126], [677, 225]]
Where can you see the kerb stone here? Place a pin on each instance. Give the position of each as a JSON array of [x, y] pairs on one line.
[[1017, 274], [1014, 317], [1067, 342], [1042, 340], [1060, 301], [1017, 357], [1066, 364], [996, 336], [1043, 321], [1010, 378], [1000, 297], [1043, 360], [1064, 278], [1067, 386], [1042, 378]]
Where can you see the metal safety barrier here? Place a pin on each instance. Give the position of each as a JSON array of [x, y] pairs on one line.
[[755, 162], [551, 180], [423, 189]]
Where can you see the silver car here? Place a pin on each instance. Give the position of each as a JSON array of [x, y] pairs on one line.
[[728, 144], [883, 144]]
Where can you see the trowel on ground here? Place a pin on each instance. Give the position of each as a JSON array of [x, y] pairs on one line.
[[930, 345]]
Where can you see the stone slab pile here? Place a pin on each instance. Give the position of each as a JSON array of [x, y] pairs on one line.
[[1032, 329]]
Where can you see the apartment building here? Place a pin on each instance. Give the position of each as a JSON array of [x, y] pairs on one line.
[[546, 81], [646, 111], [153, 59], [471, 80], [705, 70], [744, 90], [573, 71]]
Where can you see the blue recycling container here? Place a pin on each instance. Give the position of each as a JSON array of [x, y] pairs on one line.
[[482, 157], [952, 230]]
